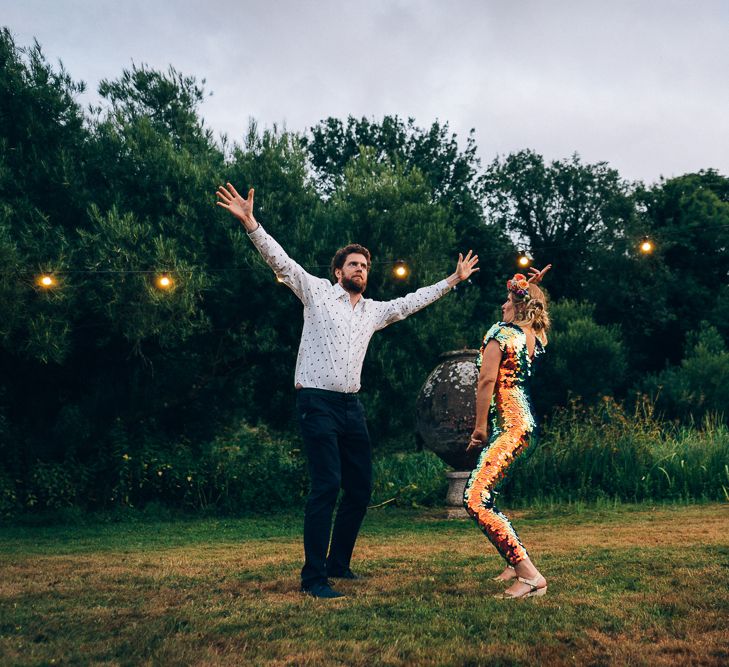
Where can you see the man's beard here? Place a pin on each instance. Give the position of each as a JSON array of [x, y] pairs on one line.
[[355, 287]]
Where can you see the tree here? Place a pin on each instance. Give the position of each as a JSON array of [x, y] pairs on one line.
[[450, 179], [689, 218], [564, 213]]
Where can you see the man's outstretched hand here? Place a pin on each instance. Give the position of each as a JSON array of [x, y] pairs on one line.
[[465, 267], [242, 209]]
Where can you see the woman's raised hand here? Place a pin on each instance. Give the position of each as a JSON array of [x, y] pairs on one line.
[[535, 275]]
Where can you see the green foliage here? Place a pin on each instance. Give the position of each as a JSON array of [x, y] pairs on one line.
[[583, 359], [661, 297], [243, 470], [412, 479], [700, 384], [605, 452], [449, 174], [9, 504], [52, 486], [106, 364], [565, 212]]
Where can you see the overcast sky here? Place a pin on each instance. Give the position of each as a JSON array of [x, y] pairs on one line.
[[640, 84]]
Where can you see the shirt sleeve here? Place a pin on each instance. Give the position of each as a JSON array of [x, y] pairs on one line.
[[285, 268], [399, 309]]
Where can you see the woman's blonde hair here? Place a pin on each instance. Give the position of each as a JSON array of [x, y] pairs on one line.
[[533, 312]]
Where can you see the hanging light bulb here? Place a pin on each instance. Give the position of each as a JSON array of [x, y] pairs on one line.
[[646, 246], [164, 281], [45, 280], [400, 270], [523, 261]]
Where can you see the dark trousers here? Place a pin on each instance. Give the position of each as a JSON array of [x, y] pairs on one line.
[[339, 455]]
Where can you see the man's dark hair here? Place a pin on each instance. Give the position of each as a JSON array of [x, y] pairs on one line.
[[340, 257]]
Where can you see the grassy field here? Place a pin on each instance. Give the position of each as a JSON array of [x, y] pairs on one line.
[[629, 585]]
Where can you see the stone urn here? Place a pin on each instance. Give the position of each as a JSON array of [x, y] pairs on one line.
[[445, 411]]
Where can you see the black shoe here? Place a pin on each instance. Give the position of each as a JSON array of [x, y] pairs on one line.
[[345, 574], [322, 591]]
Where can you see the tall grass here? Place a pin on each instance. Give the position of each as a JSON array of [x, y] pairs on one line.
[[407, 479], [605, 452], [596, 454]]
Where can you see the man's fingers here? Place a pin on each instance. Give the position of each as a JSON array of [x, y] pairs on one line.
[[220, 203], [233, 190], [250, 196], [223, 194]]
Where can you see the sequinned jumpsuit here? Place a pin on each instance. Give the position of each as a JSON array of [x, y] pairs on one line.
[[512, 424]]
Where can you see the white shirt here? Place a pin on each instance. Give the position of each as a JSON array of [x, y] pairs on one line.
[[335, 335]]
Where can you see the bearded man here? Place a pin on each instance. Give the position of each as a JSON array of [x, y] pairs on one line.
[[338, 325]]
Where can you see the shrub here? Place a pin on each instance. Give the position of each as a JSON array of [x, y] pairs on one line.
[[700, 384], [52, 486], [9, 505], [243, 470], [584, 359]]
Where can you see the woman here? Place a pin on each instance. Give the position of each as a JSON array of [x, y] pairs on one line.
[[506, 358]]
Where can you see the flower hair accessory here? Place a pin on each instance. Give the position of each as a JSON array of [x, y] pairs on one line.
[[519, 287]]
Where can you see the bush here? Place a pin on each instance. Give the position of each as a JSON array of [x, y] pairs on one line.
[[243, 470], [700, 385], [52, 486], [583, 359], [9, 505]]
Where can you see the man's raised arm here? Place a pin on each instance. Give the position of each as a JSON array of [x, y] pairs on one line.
[[285, 268], [399, 309]]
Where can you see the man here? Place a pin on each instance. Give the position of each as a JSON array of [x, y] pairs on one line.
[[338, 325]]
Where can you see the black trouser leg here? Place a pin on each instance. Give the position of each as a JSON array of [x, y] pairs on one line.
[[356, 458], [319, 428]]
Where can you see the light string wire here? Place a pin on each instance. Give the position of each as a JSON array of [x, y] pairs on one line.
[[661, 235]]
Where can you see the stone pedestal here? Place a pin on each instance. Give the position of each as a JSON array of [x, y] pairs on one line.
[[454, 498]]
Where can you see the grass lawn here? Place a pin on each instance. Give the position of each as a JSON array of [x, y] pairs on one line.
[[633, 585]]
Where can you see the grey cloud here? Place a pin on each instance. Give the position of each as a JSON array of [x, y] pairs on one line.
[[637, 84]]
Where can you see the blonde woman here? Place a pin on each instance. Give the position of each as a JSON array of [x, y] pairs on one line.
[[503, 399]]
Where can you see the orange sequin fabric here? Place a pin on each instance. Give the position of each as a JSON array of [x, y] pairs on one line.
[[512, 424]]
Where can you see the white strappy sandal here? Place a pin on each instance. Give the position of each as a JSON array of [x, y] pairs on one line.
[[534, 591]]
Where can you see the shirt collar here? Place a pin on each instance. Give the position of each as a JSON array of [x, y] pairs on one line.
[[341, 293]]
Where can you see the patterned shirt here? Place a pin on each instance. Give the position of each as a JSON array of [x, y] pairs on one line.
[[335, 335]]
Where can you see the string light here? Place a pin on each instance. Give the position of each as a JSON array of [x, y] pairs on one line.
[[164, 281], [401, 270], [646, 246]]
